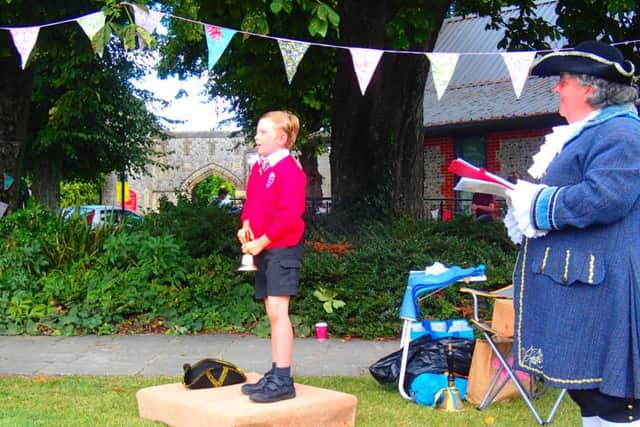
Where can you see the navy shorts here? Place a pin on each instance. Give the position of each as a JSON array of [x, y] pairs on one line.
[[278, 271], [614, 409]]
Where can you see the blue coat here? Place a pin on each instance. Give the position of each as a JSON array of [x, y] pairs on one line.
[[577, 289]]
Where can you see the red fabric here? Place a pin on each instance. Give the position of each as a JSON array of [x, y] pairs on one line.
[[275, 202], [483, 199]]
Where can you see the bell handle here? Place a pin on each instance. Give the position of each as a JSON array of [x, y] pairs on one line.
[[450, 363]]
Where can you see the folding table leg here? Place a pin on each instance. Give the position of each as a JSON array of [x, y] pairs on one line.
[[494, 388], [556, 405], [404, 343], [513, 377]]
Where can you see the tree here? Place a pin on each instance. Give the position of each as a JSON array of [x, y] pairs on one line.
[[69, 111], [604, 20], [86, 118], [376, 139], [251, 74], [15, 100]]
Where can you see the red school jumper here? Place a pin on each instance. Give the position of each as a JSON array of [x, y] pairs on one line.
[[275, 202]]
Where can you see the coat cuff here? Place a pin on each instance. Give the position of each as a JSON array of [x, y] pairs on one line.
[[543, 209]]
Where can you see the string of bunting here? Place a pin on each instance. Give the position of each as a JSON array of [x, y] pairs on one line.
[[365, 60]]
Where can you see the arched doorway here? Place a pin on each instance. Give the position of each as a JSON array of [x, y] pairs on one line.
[[205, 182]]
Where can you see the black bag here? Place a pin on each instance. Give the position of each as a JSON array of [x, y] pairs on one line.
[[208, 373], [425, 355]]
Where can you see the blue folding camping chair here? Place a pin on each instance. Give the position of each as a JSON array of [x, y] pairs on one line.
[[420, 285]]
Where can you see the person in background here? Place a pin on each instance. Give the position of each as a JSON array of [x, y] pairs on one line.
[[223, 199], [272, 230], [577, 277], [484, 207]]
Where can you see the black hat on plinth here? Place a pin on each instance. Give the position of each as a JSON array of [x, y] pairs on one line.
[[592, 57]]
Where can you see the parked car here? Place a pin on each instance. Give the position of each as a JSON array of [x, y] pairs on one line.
[[98, 215]]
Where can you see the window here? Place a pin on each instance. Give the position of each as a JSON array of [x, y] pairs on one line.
[[473, 149]]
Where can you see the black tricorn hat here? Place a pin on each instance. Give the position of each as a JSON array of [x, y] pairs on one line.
[[594, 58]]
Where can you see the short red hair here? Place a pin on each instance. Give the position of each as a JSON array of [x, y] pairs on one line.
[[287, 122]]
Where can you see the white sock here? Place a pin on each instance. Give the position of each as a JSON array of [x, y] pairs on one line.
[[605, 423], [591, 422]]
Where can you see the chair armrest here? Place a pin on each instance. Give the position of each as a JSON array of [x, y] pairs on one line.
[[483, 326]]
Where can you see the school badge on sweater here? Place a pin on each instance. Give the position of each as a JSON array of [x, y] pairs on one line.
[[271, 179]]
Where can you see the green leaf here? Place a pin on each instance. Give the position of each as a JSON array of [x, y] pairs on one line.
[[38, 310], [255, 21], [129, 38], [318, 26], [338, 303], [322, 11], [118, 29], [146, 36], [321, 295], [100, 39], [276, 6], [327, 307], [334, 18]]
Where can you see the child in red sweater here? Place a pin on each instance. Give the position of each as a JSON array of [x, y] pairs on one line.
[[272, 229]]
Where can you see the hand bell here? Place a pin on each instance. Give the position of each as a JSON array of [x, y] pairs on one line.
[[247, 264]]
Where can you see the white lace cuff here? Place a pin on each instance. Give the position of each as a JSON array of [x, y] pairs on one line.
[[521, 199]]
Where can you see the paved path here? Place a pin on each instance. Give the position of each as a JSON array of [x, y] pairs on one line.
[[165, 355]]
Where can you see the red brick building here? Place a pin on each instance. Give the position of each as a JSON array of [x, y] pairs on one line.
[[479, 118]]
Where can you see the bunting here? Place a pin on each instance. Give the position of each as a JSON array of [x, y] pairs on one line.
[[365, 62], [292, 53], [24, 38], [147, 19], [218, 39], [442, 67], [518, 64], [91, 23]]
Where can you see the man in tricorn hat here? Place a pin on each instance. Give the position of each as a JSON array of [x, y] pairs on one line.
[[577, 277]]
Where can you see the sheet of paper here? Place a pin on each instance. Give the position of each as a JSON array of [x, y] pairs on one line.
[[479, 186], [465, 169]]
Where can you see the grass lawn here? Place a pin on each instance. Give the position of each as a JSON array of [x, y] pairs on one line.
[[110, 401]]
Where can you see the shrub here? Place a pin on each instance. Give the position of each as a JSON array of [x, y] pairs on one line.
[[176, 273], [204, 228], [372, 278]]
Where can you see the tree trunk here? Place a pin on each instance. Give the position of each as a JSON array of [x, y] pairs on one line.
[[15, 99], [377, 139], [46, 185]]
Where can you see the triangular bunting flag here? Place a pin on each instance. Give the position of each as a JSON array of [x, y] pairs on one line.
[[365, 62], [442, 67], [91, 23], [218, 39], [24, 39], [147, 19], [292, 53], [518, 64]]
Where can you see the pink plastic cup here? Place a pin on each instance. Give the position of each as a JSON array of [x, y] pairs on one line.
[[321, 331]]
